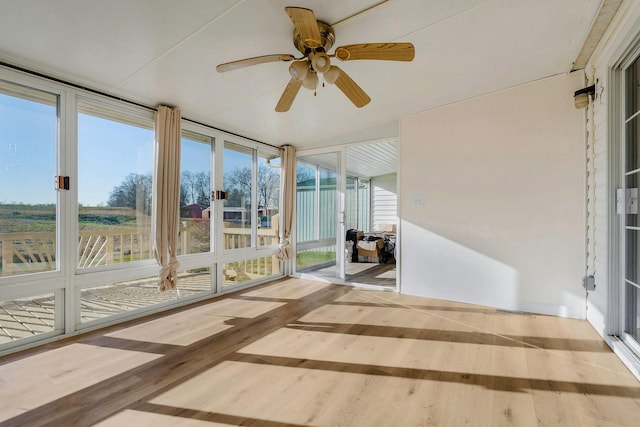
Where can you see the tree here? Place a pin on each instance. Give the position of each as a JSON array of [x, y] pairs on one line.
[[134, 192], [304, 173], [202, 183], [195, 188], [268, 187], [238, 183]]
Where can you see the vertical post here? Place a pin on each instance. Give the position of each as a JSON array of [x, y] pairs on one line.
[[7, 257], [110, 247], [184, 243]]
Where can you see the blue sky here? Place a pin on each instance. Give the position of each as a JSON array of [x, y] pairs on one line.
[[108, 151], [27, 151]]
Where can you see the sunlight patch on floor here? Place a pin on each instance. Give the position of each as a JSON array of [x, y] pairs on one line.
[[187, 327], [34, 381]]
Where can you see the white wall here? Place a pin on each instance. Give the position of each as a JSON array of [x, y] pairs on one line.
[[384, 199], [492, 200]]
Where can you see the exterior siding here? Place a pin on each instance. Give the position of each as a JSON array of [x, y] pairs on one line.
[[384, 199], [305, 213]]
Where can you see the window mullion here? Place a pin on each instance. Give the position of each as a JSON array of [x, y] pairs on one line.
[[254, 200]]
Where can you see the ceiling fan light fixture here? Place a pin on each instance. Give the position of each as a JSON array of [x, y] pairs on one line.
[[311, 80], [299, 69], [332, 74], [320, 62]]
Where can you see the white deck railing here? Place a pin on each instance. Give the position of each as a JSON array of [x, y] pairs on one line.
[[31, 252]]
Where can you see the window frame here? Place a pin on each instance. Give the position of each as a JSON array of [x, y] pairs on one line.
[[67, 282]]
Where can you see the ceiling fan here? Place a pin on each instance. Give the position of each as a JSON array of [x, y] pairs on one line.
[[314, 39]]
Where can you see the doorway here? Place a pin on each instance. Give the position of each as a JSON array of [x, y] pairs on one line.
[[628, 211], [319, 215], [346, 214]]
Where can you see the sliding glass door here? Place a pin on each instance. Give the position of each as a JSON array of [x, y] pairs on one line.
[[631, 293], [320, 215]]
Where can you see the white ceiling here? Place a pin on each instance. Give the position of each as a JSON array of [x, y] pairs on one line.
[[166, 51]]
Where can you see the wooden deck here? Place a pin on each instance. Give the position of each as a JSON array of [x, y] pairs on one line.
[[304, 353], [32, 316]]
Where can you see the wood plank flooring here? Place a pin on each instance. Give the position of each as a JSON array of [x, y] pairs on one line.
[[383, 274], [303, 353]]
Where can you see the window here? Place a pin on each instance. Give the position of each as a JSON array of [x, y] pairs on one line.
[[306, 203], [115, 164], [195, 194], [137, 295], [350, 204], [364, 204], [328, 210], [632, 225], [238, 183], [70, 260], [316, 213], [23, 318], [268, 199], [238, 272], [28, 200]]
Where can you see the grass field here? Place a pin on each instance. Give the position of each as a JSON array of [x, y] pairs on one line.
[[308, 258], [41, 218]]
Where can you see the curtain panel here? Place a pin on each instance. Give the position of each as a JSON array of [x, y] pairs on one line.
[[288, 201], [166, 195]]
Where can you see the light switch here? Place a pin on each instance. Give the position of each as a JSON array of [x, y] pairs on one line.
[[418, 200]]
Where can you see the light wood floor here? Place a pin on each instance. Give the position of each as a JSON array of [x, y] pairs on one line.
[[301, 353], [383, 274]]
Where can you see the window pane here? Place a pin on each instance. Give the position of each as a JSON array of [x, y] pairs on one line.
[[350, 204], [26, 317], [632, 326], [314, 258], [195, 194], [306, 203], [250, 269], [119, 297], [632, 135], [632, 240], [328, 211], [238, 179], [115, 163], [364, 204], [268, 199], [28, 140], [633, 95]]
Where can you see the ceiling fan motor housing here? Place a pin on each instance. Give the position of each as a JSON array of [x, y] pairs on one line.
[[327, 38]]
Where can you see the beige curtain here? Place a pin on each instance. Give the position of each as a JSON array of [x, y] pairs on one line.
[[166, 195], [288, 165]]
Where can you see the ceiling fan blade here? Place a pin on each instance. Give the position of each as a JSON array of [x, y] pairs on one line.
[[253, 61], [351, 89], [289, 94], [307, 26], [385, 51]]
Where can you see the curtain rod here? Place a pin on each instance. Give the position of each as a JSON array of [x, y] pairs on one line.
[[137, 104]]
